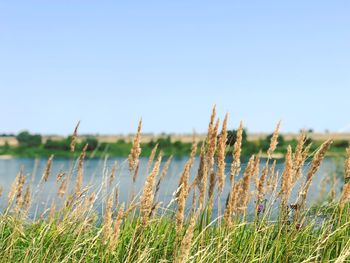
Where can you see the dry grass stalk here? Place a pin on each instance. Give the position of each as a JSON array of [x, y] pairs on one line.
[[136, 149], [90, 201], [116, 228], [27, 198], [185, 246], [221, 155], [107, 219], [274, 141], [162, 175], [334, 187], [256, 170], [1, 190], [236, 154], [112, 174], [151, 158], [194, 201], [80, 171], [52, 212], [74, 137], [147, 197], [47, 169], [116, 196]]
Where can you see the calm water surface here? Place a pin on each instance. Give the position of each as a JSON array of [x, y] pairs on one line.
[[95, 170]]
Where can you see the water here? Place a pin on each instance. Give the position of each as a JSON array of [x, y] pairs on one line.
[[97, 169]]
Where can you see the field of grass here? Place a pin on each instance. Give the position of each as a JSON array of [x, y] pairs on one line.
[[81, 228]]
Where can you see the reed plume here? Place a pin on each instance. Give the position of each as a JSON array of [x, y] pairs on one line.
[[316, 161], [333, 191], [211, 189], [315, 164], [182, 195], [27, 198], [19, 191], [74, 137], [116, 228], [14, 185], [236, 154], [107, 219], [261, 185], [136, 149], [136, 172], [298, 158], [147, 197], [162, 175], [231, 203], [274, 141], [221, 155], [47, 168], [52, 212], [256, 169], [244, 185], [212, 140], [151, 158], [272, 180], [80, 171], [59, 176], [287, 177], [63, 188], [116, 196], [185, 246], [112, 174], [202, 176]]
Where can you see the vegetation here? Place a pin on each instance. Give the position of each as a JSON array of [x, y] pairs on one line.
[[188, 229], [32, 145]]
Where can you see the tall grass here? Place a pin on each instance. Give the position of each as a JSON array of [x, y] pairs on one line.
[[146, 230]]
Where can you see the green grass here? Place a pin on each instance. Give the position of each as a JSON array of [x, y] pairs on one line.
[[67, 240]]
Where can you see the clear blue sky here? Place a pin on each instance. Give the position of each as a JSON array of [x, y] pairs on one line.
[[107, 63]]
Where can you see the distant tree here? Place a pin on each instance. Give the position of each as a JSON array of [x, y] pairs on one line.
[[25, 139], [341, 144], [63, 145], [92, 143], [232, 137], [164, 142], [281, 140], [6, 146]]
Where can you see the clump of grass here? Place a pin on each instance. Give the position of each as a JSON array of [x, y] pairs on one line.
[[144, 230]]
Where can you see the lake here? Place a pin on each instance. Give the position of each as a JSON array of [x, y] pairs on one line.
[[97, 169]]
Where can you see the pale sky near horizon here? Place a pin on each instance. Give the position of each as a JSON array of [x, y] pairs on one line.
[[108, 63]]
